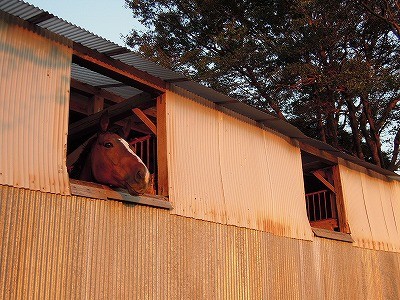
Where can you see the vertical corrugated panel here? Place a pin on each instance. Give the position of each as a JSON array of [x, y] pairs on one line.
[[376, 217], [389, 214], [355, 208], [286, 177], [63, 247], [34, 97], [225, 170], [194, 167], [371, 209], [245, 176], [395, 196]]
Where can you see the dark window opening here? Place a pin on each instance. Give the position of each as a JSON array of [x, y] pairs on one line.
[[128, 106], [323, 194]]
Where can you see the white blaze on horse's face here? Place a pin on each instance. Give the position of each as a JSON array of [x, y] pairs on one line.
[[115, 163], [129, 149]]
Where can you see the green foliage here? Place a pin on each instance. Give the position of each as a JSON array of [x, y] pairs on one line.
[[329, 67]]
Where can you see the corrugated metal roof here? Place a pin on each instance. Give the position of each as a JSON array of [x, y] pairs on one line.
[[77, 34]]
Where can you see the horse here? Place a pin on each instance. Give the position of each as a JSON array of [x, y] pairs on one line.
[[108, 159]]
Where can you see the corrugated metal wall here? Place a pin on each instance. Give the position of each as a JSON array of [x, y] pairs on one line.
[[64, 247], [225, 170], [373, 210], [34, 102]]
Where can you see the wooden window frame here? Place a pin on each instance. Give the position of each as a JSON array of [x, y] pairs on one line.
[[103, 192], [150, 85], [332, 162]]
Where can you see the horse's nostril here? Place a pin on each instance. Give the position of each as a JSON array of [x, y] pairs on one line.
[[140, 175]]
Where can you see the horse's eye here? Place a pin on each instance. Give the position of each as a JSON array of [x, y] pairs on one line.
[[108, 145]]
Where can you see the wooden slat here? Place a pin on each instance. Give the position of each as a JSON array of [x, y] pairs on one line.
[[343, 223], [98, 191], [113, 111], [96, 104], [333, 235], [92, 90], [162, 153], [140, 114], [323, 155], [319, 175]]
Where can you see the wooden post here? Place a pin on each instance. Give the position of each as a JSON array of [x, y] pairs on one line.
[[343, 224], [96, 104], [162, 153]]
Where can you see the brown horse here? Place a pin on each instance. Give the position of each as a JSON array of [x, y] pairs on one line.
[[111, 161]]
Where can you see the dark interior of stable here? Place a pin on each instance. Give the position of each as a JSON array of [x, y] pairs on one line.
[[127, 104]]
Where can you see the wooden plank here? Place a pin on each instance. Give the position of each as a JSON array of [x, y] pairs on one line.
[[146, 199], [162, 152], [343, 223], [152, 111], [317, 152], [92, 90], [117, 70], [114, 111], [87, 189], [78, 102], [333, 235], [96, 104], [329, 224], [140, 114], [319, 175], [98, 191]]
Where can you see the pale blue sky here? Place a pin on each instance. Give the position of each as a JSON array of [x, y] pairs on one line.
[[106, 18]]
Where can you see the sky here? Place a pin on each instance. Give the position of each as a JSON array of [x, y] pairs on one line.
[[106, 18]]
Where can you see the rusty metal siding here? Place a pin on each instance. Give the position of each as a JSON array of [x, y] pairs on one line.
[[67, 247], [34, 101], [372, 210], [225, 170]]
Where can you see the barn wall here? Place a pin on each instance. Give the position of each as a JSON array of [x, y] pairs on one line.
[[225, 170], [34, 100], [67, 247], [373, 210]]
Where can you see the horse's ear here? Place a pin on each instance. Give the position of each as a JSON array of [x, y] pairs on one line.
[[126, 130], [104, 121]]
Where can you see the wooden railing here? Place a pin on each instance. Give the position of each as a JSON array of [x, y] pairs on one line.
[[141, 147], [319, 206], [144, 147]]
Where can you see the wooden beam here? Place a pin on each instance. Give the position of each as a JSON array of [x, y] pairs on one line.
[[152, 112], [96, 104], [162, 152], [317, 152], [140, 114], [119, 110], [92, 90], [319, 175], [117, 70], [136, 127], [98, 191], [78, 103], [343, 224]]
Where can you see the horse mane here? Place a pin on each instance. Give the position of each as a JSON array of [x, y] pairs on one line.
[[78, 165]]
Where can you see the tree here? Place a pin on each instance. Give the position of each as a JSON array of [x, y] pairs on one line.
[[330, 68]]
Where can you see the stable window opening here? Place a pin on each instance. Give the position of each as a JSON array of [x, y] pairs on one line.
[[323, 193], [135, 111]]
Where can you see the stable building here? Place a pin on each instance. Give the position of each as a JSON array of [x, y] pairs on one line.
[[242, 205]]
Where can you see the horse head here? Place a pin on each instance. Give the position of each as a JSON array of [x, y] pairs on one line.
[[113, 162]]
